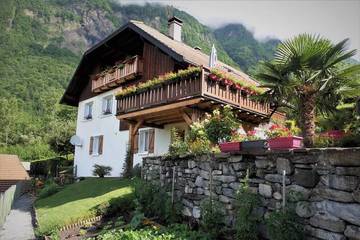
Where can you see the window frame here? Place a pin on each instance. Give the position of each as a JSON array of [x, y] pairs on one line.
[[143, 141], [95, 147], [88, 110], [107, 99]]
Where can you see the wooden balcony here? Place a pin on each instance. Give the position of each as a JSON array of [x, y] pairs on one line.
[[129, 69], [198, 92]]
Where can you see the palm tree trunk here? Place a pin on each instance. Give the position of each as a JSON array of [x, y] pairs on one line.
[[307, 118]]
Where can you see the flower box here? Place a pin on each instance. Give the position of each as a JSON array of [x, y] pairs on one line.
[[254, 145], [285, 142], [230, 146]]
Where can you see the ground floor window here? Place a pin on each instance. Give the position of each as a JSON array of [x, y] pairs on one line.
[[96, 145], [145, 141]]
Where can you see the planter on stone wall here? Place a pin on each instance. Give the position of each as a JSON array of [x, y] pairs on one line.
[[285, 142], [230, 146], [254, 145]]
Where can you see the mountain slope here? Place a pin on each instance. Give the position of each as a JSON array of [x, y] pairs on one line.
[[40, 45], [242, 47]]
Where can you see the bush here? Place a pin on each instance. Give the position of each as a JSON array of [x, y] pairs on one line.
[[101, 171], [246, 221], [154, 201], [352, 140], [212, 218], [177, 146], [116, 205], [48, 190], [284, 225], [173, 232], [221, 124], [136, 171]]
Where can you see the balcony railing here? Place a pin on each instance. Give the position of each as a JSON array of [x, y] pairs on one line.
[[200, 86], [129, 69]]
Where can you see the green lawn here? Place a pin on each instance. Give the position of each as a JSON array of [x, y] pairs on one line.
[[77, 201]]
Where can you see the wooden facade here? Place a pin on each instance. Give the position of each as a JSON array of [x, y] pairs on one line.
[[155, 62]]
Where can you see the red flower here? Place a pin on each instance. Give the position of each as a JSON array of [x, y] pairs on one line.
[[251, 133], [213, 77]]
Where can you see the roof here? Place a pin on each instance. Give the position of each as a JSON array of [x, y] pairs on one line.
[[180, 51], [11, 171]]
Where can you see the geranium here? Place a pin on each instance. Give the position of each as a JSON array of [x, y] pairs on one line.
[[251, 136], [278, 131]]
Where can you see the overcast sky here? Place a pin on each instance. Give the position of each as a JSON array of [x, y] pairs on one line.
[[281, 19]]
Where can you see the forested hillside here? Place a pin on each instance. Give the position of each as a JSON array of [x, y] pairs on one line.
[[41, 43]]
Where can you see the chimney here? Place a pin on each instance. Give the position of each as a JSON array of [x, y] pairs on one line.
[[174, 25]]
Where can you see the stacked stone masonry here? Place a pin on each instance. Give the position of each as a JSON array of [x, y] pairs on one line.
[[323, 184]]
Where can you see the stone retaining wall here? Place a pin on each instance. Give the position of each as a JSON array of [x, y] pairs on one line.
[[323, 183]]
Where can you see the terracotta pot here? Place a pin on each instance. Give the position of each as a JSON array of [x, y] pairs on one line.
[[285, 142], [230, 146]]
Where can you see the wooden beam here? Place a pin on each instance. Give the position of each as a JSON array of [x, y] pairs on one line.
[[186, 118], [175, 120], [137, 126], [160, 108], [161, 118], [153, 125]]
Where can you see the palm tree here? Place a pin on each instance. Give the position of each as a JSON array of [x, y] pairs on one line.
[[307, 75]]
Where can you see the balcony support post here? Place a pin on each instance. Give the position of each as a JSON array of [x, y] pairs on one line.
[[133, 130]]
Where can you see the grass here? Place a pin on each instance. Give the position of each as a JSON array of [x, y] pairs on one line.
[[78, 201]]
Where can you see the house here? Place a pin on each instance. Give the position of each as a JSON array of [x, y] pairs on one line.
[[141, 121], [11, 171]]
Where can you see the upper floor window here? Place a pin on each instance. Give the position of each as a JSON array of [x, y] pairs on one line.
[[88, 110], [107, 103]]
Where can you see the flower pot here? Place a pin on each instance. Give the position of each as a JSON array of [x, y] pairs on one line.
[[254, 145], [285, 142], [230, 146]]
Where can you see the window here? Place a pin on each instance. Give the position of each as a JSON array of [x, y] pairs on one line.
[[88, 111], [143, 141], [107, 105], [96, 145]]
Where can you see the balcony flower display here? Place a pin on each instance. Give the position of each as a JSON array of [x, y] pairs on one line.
[[181, 74], [282, 138], [234, 83]]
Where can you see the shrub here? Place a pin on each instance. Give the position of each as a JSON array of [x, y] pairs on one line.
[[127, 170], [352, 140], [323, 141], [177, 146], [154, 201], [212, 218], [101, 171], [284, 225], [49, 189], [172, 232], [116, 205], [245, 220], [136, 171], [221, 124]]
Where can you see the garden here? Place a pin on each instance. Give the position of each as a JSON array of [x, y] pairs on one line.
[[308, 80]]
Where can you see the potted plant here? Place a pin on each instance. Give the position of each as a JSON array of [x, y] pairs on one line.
[[253, 142], [282, 138], [234, 144]]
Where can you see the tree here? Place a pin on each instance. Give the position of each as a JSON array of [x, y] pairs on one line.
[[59, 140], [305, 76]]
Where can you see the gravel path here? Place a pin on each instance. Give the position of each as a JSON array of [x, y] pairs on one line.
[[18, 224]]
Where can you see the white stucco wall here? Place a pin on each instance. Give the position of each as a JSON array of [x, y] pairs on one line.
[[114, 141]]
